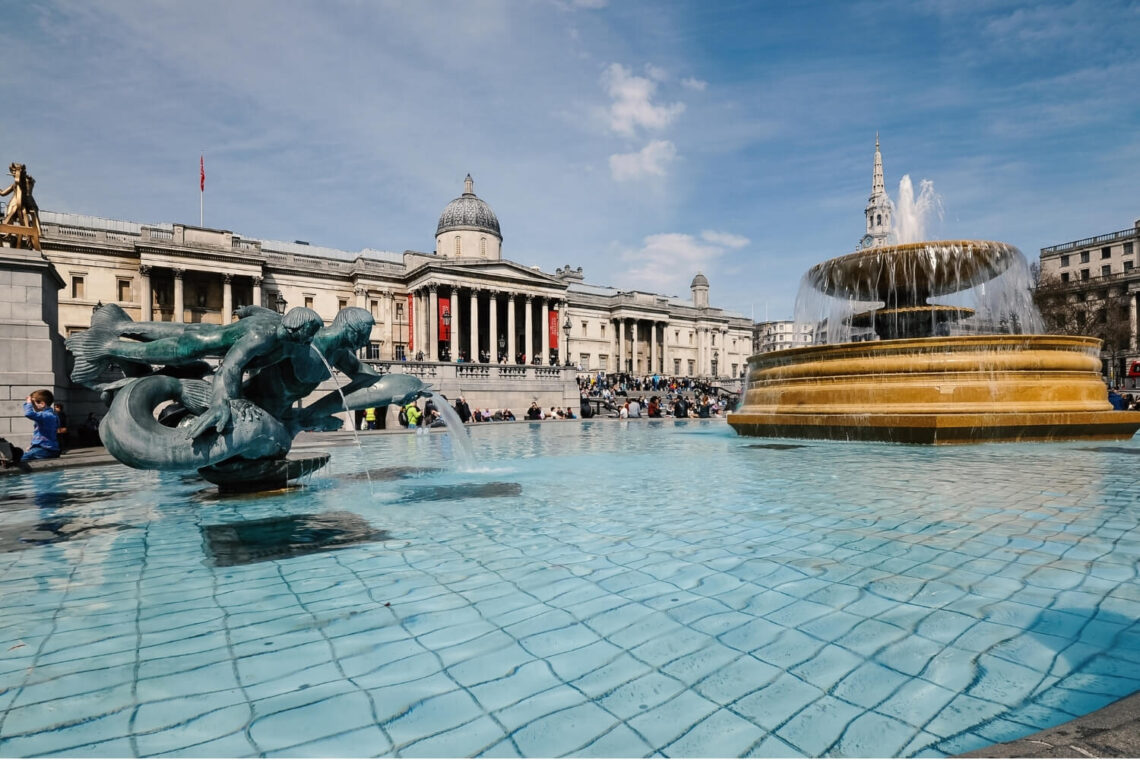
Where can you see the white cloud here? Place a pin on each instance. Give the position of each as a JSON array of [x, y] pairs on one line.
[[725, 238], [667, 262], [590, 3], [650, 161], [656, 72], [633, 106], [693, 83]]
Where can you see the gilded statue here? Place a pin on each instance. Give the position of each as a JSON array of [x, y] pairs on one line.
[[22, 211]]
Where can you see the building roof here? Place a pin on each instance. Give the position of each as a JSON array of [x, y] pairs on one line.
[[467, 212]]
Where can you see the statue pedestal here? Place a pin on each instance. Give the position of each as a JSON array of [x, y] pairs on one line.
[[31, 349]]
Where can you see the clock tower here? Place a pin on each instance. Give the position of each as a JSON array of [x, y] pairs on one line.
[[878, 207]]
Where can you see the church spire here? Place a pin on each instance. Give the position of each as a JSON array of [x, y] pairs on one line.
[[878, 211]]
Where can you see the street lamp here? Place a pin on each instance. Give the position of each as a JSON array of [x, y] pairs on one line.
[[280, 303], [447, 324], [566, 326], [716, 357]]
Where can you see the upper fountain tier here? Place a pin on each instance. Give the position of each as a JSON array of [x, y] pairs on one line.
[[912, 272]]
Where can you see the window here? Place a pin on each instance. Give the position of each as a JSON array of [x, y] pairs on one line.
[[77, 286], [1106, 253], [341, 303], [692, 364], [124, 290], [373, 350], [734, 366], [690, 338], [1128, 266], [676, 366], [584, 329], [458, 246], [584, 361], [399, 311], [1106, 270], [1084, 257], [1128, 249], [714, 338], [677, 337], [603, 361], [374, 307], [1084, 275], [1064, 276], [1065, 260], [399, 349], [308, 302], [603, 326], [483, 247]]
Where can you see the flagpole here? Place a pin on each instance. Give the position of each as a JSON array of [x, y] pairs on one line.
[[202, 190]]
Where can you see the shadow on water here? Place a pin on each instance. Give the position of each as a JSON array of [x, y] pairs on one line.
[[776, 446], [243, 543], [56, 518], [461, 491], [1067, 663], [389, 473], [1112, 450]]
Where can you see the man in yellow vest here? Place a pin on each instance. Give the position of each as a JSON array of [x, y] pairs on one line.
[[370, 418], [414, 415]]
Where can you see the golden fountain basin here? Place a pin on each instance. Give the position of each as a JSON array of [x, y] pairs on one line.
[[958, 389]]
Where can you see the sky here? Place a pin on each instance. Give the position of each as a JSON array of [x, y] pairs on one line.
[[643, 140]]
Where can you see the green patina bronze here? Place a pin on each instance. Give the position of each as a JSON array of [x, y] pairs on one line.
[[233, 419]]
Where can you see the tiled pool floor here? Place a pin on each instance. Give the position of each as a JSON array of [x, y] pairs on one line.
[[594, 589]]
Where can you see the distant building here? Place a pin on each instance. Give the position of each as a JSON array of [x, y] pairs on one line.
[[461, 301], [1096, 280], [781, 334]]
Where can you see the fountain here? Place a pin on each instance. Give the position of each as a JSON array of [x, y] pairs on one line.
[[928, 372], [233, 421]]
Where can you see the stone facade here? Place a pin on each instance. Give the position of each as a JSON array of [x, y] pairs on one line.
[[1100, 272], [461, 301]]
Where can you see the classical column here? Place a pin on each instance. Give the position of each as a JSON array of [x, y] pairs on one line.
[[227, 298], [621, 345], [653, 348], [1132, 321], [493, 330], [633, 346], [545, 331], [528, 339], [256, 295], [146, 297], [433, 323], [511, 349], [456, 324], [611, 363], [474, 349], [179, 302]]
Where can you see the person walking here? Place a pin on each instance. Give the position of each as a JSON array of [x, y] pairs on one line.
[[370, 418]]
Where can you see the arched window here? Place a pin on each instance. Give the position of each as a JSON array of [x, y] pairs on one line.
[[879, 219], [483, 246], [458, 247]]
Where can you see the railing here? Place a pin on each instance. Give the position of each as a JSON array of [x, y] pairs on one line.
[[77, 232], [1110, 237]]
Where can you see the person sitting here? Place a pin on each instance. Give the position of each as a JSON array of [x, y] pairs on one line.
[[508, 415], [38, 408], [534, 413]]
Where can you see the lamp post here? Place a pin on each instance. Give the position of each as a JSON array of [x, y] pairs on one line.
[[716, 356], [566, 344], [280, 303], [502, 345]]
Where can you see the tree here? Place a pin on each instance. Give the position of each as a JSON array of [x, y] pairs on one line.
[[1089, 309]]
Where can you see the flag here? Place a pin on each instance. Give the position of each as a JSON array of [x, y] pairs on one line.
[[202, 173]]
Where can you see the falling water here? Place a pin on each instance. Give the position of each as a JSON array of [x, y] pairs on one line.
[[912, 214], [348, 412], [458, 432]]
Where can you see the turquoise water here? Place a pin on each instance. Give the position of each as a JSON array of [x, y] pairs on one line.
[[594, 589]]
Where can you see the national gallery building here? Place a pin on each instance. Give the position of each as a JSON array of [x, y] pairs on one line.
[[463, 302]]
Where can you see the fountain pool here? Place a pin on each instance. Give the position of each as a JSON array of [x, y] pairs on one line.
[[600, 588]]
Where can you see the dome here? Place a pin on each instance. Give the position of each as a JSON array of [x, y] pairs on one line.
[[467, 212], [700, 281]]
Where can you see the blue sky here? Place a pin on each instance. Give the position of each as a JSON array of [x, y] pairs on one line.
[[642, 141]]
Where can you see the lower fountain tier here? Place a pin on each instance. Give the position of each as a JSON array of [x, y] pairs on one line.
[[958, 389]]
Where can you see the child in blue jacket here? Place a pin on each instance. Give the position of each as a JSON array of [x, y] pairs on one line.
[[38, 408]]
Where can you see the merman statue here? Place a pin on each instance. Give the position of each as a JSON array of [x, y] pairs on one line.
[[233, 420]]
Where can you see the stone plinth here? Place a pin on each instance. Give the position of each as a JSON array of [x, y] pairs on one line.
[[31, 351], [956, 389]]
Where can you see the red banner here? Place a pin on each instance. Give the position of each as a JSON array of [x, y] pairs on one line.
[[411, 326], [445, 319], [554, 330]]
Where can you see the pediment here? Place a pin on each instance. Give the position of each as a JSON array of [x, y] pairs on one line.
[[492, 272]]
